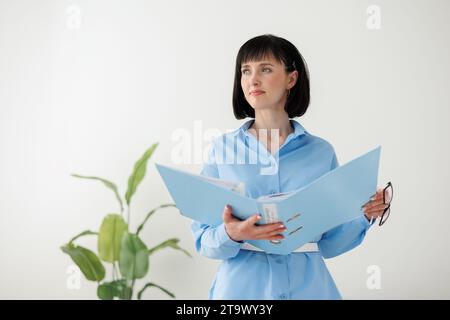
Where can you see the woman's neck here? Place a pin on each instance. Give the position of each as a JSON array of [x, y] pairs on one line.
[[271, 122]]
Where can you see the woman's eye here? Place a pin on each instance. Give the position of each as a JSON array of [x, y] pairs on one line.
[[246, 71]]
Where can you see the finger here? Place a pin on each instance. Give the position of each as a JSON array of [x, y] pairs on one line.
[[371, 216], [269, 237], [274, 233], [381, 209], [377, 210], [252, 220], [267, 228], [276, 237], [228, 214], [373, 204], [380, 194], [370, 201], [377, 196], [380, 206], [375, 213]]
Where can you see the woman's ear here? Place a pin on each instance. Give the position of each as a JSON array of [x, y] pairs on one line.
[[293, 76]]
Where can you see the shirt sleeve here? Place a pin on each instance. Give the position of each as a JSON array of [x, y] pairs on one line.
[[213, 242], [346, 236]]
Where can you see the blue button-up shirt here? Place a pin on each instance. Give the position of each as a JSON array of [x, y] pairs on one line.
[[246, 274]]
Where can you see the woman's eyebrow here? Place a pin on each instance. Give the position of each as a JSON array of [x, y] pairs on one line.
[[261, 64]]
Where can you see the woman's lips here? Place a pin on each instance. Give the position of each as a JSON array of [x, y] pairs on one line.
[[256, 93]]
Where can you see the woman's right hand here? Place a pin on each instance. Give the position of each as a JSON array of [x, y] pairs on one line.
[[248, 230]]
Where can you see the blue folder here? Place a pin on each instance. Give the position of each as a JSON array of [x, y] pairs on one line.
[[330, 200]]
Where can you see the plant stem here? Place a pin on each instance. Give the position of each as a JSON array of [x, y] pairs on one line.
[[84, 233], [118, 270], [132, 288], [128, 220], [113, 271]]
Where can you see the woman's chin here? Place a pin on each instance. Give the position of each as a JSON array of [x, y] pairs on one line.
[[261, 107]]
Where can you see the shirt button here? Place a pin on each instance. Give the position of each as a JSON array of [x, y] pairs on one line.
[[283, 296]]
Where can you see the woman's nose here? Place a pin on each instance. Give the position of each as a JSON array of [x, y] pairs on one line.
[[254, 80]]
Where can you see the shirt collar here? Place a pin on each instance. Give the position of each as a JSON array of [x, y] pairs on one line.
[[298, 128]]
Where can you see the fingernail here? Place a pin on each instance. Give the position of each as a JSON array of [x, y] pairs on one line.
[[258, 217]]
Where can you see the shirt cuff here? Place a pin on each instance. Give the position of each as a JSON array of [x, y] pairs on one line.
[[366, 223], [224, 238]]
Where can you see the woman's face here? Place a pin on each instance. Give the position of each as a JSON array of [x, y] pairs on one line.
[[265, 83]]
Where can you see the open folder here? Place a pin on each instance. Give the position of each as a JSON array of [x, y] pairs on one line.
[[330, 200]]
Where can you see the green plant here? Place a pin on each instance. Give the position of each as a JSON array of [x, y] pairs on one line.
[[125, 251]]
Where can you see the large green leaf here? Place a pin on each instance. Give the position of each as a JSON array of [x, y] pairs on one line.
[[156, 286], [107, 183], [105, 291], [88, 262], [138, 174], [118, 288], [110, 236], [172, 243], [133, 261]]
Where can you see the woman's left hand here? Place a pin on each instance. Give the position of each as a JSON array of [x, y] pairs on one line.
[[375, 207]]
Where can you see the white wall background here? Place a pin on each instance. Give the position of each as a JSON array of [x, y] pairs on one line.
[[91, 97]]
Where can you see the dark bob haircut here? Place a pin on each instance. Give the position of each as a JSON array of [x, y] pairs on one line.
[[284, 52]]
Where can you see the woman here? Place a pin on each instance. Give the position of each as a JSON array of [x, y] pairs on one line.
[[272, 86]]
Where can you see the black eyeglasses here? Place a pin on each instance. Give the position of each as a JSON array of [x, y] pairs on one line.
[[388, 193]]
